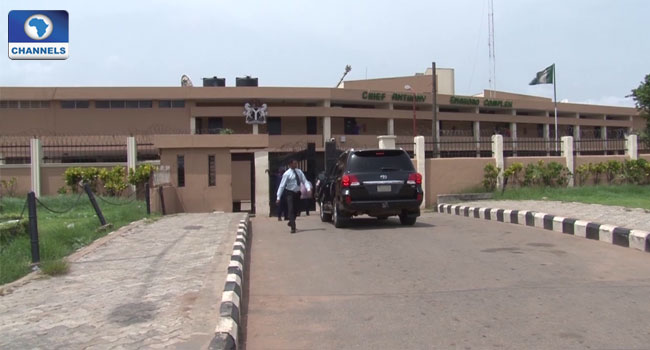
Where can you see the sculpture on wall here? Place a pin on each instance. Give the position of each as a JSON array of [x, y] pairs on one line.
[[255, 114]]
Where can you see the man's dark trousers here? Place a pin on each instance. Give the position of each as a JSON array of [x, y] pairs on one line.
[[293, 200]]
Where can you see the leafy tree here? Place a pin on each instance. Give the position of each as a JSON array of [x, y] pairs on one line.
[[641, 96]]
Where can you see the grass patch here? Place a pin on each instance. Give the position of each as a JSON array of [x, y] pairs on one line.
[[55, 267], [631, 196], [61, 234]]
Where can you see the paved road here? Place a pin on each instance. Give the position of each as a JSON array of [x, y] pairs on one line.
[[447, 283], [154, 286]]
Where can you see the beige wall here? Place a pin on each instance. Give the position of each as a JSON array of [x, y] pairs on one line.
[[197, 196], [580, 160], [528, 160], [452, 175], [241, 186], [22, 174]]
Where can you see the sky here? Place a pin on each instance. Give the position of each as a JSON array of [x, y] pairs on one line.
[[601, 48]]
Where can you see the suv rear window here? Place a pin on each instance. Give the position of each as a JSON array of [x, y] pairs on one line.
[[368, 161]]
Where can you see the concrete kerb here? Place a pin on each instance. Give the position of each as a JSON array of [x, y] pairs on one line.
[[226, 335], [621, 236]]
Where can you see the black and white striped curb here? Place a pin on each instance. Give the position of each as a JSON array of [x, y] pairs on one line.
[[227, 332], [620, 236]]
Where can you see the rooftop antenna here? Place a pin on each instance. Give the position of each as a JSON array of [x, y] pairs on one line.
[[186, 81], [348, 68], [493, 64]]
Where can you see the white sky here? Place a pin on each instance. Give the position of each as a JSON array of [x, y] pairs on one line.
[[601, 48]]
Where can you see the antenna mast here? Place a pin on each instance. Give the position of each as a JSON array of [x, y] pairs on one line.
[[493, 64]]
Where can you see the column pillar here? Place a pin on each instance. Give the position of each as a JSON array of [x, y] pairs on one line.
[[576, 136], [632, 147], [497, 154], [477, 137], [513, 136], [327, 124], [603, 136], [256, 129], [390, 126], [262, 173], [36, 153], [567, 153], [386, 141], [421, 161], [131, 157], [547, 138], [193, 125]]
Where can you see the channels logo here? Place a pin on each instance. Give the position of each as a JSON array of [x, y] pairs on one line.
[[38, 35]]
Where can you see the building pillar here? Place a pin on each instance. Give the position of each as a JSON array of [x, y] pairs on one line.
[[497, 154], [477, 137], [36, 153], [420, 159], [131, 157], [576, 137], [262, 174], [547, 138], [390, 126], [513, 136], [327, 129], [632, 147], [567, 153], [603, 136], [193, 125], [2, 159], [386, 141], [256, 129]]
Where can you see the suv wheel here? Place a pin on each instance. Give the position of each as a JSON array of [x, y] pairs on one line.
[[324, 217], [339, 219], [407, 220]]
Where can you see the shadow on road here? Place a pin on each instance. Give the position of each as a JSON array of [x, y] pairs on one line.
[[361, 224]]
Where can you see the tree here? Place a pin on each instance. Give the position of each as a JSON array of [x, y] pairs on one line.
[[641, 96]]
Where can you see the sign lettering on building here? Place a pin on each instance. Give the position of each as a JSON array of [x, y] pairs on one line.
[[381, 96], [473, 101]]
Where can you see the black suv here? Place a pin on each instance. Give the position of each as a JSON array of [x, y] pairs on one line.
[[376, 182]]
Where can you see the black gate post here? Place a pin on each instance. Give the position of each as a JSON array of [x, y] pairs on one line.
[[162, 200], [33, 227], [147, 198], [95, 206], [330, 155]]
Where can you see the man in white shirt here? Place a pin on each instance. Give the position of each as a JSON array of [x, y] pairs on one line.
[[291, 181]]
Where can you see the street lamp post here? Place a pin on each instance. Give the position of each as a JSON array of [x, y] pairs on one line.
[[415, 128]]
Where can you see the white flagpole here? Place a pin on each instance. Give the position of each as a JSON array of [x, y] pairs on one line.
[[555, 100]]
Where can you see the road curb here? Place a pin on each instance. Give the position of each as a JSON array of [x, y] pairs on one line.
[[226, 335], [621, 236]]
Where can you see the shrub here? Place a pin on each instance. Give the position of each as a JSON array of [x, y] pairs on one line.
[[73, 176], [491, 173], [141, 174], [114, 180], [596, 170], [552, 174], [62, 190], [612, 170], [636, 171], [226, 131], [583, 173], [8, 187], [513, 172]]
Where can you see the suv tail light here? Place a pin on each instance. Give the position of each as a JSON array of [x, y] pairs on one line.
[[414, 178], [349, 180]]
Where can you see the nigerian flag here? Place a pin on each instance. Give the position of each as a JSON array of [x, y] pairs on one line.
[[545, 77]]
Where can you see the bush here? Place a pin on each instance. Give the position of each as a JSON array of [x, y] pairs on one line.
[[226, 131], [8, 187], [596, 170], [12, 226], [513, 172], [73, 177], [612, 170], [552, 174], [583, 173], [55, 267], [491, 173], [141, 174], [636, 171], [114, 180]]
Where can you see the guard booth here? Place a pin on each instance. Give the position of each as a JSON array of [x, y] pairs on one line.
[[202, 177]]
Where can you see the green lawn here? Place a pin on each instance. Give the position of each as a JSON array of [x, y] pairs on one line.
[[61, 234], [632, 196]]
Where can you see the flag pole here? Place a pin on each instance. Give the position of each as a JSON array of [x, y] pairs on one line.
[[555, 100]]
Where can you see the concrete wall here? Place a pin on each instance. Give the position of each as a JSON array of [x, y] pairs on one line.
[[528, 160], [241, 186], [453, 175], [196, 195], [597, 159]]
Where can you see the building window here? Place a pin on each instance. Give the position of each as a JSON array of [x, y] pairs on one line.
[[24, 104], [138, 104], [350, 126], [180, 170], [171, 104], [212, 171], [117, 104], [74, 104], [274, 125], [312, 125], [102, 104]]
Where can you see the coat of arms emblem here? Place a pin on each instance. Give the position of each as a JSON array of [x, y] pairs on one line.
[[255, 113]]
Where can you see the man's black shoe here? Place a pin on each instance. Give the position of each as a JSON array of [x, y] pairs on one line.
[[293, 230]]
